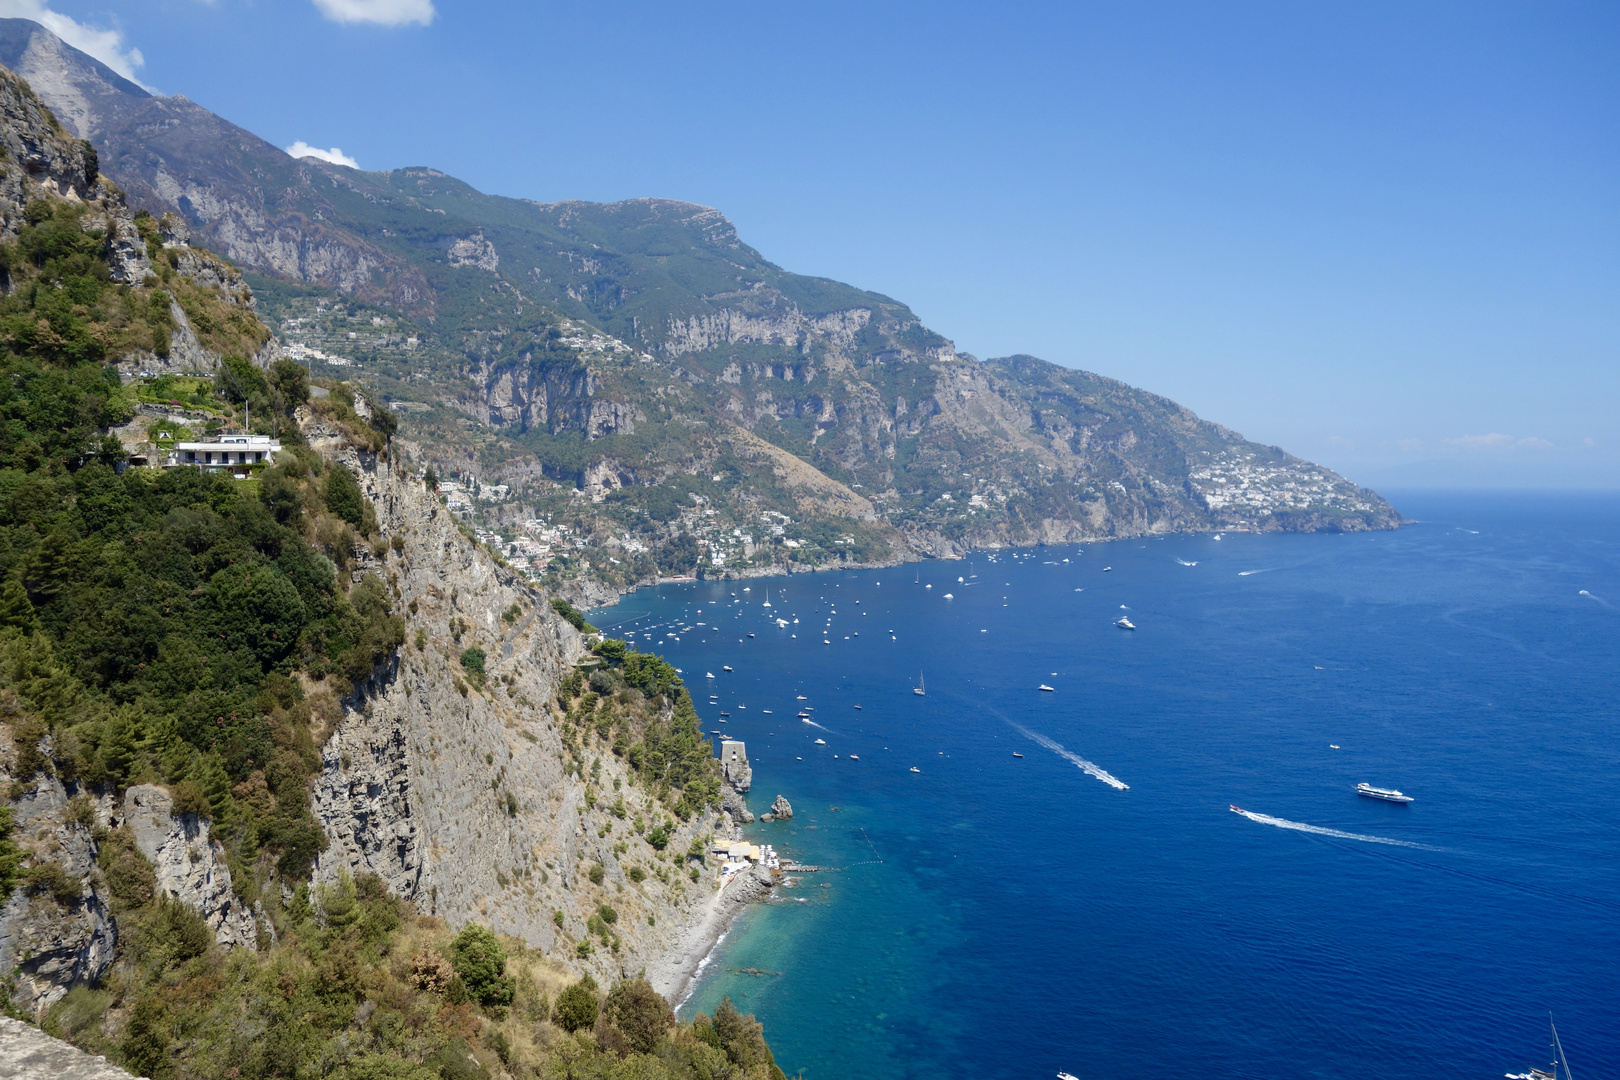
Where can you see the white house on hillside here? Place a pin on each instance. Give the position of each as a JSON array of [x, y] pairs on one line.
[[236, 453]]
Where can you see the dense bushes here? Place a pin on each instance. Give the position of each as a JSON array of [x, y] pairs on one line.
[[640, 707]]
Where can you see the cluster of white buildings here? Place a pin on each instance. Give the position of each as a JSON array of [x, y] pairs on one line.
[[305, 353], [737, 855]]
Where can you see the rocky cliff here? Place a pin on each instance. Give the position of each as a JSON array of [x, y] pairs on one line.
[[458, 796]]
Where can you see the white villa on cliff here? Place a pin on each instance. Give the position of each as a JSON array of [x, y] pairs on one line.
[[238, 454]]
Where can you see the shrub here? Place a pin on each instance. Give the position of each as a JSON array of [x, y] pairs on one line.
[[473, 661], [639, 1012], [481, 963], [598, 872], [571, 615], [577, 1007], [343, 496], [430, 972], [53, 878], [607, 913]]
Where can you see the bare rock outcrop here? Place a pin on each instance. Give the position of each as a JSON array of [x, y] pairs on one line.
[[27, 1053], [781, 808], [190, 865], [54, 940]]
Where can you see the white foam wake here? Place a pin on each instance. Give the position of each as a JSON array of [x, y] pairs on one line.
[[1184, 562], [1300, 826], [812, 723], [1087, 767], [1246, 573]]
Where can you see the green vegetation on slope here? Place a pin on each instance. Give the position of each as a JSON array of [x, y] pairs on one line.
[[360, 987]]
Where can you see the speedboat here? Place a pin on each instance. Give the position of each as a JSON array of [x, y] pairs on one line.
[[853, 757], [1124, 623], [1043, 686], [821, 742], [1386, 794], [1017, 754], [857, 706], [708, 674], [915, 769], [1066, 1076], [750, 635], [1236, 809], [1333, 746], [725, 667]]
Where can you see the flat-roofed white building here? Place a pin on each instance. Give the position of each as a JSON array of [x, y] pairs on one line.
[[233, 453]]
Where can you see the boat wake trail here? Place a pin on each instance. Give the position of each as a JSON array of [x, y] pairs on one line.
[[1184, 562], [1599, 599], [1087, 767], [1248, 573], [1300, 826], [812, 723]]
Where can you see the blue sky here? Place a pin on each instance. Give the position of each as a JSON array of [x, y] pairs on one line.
[[1383, 236]]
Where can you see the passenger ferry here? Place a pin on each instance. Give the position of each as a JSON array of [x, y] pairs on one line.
[[1386, 794]]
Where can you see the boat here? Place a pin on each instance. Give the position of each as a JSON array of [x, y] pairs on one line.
[[767, 602], [821, 742], [915, 769], [1107, 569], [1387, 794], [857, 706], [854, 757], [708, 674], [1558, 1062], [948, 596], [1017, 754], [1333, 746], [1043, 686], [1236, 809], [921, 689], [725, 667], [1124, 623], [1066, 1076], [767, 712], [725, 714], [750, 633]]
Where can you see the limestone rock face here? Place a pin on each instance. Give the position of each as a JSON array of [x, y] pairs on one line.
[[456, 795], [190, 866], [27, 1053], [52, 946], [36, 154], [781, 807]]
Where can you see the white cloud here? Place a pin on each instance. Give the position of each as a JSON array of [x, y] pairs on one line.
[[1497, 441], [302, 149], [381, 12], [105, 45]]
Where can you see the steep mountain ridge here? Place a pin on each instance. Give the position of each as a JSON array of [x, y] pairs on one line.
[[615, 350]]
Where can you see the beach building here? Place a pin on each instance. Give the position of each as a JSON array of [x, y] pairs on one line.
[[238, 454]]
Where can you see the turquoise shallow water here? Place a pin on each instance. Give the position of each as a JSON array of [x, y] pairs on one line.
[[999, 916]]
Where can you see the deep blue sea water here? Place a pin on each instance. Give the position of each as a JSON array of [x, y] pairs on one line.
[[1009, 917]]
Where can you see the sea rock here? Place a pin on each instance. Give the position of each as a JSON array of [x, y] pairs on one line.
[[733, 805], [781, 807], [190, 866], [767, 816]]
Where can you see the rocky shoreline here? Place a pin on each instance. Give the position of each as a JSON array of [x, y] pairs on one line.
[[675, 974]]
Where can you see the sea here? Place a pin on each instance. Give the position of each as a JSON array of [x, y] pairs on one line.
[[1020, 881]]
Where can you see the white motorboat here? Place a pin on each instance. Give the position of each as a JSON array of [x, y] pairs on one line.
[[1386, 794], [1043, 686], [1124, 623]]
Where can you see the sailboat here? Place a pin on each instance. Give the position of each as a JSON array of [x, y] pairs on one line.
[[1557, 1061], [921, 689]]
